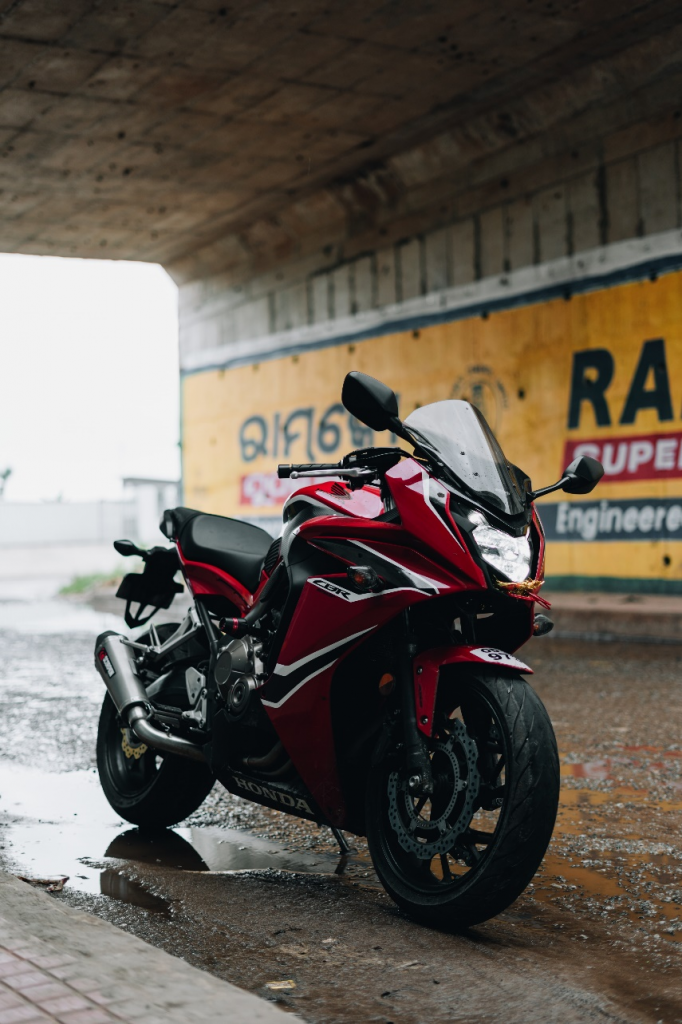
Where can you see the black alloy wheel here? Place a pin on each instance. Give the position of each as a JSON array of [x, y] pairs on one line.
[[145, 786], [463, 853]]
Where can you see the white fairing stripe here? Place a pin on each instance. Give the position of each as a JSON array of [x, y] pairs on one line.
[[416, 576], [426, 484], [317, 672], [350, 596], [285, 670]]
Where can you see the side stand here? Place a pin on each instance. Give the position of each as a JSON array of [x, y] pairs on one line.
[[344, 848]]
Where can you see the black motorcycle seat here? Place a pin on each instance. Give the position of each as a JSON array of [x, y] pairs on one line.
[[236, 547]]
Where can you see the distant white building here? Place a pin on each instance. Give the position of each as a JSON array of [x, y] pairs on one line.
[[57, 541], [150, 499], [56, 523], [28, 524]]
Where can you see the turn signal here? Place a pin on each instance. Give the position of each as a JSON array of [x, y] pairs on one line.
[[542, 625], [386, 684], [362, 577]]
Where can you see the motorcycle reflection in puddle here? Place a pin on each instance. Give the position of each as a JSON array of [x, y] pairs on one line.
[[211, 849]]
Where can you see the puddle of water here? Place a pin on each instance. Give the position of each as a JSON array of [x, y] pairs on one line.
[[117, 887], [32, 605], [52, 821], [616, 893], [631, 759], [166, 847], [624, 794], [23, 589], [591, 881], [588, 770], [55, 616], [621, 875], [225, 849], [46, 796], [61, 824], [605, 768]]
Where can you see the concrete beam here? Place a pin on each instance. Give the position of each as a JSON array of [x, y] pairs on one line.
[[229, 141]]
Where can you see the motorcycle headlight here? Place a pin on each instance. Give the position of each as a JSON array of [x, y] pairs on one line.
[[510, 555]]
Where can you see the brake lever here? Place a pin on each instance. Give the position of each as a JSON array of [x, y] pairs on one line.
[[351, 474]]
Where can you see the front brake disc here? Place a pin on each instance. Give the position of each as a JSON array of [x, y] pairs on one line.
[[451, 812]]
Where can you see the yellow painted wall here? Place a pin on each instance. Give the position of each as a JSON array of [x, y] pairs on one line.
[[516, 365]]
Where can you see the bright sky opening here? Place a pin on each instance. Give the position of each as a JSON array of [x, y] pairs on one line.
[[89, 389]]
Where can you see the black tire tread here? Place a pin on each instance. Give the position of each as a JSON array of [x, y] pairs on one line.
[[527, 824], [180, 786]]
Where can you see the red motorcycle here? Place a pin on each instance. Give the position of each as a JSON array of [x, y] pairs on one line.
[[359, 670]]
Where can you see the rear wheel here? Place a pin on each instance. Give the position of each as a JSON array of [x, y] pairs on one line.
[[145, 786], [462, 854]]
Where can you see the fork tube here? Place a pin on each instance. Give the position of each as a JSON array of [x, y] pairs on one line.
[[417, 759]]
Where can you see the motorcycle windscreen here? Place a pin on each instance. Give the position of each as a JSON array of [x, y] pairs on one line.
[[461, 438]]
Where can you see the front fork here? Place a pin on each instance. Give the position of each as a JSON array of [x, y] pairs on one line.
[[417, 760]]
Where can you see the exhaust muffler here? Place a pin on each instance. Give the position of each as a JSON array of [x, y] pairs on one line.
[[114, 662]]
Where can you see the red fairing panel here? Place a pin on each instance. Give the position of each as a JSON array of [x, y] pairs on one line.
[[365, 503], [207, 579], [427, 665], [391, 542], [330, 620], [413, 490], [398, 545]]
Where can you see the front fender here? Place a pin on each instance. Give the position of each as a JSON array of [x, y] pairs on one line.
[[426, 670]]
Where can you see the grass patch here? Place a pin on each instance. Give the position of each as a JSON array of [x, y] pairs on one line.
[[80, 584]]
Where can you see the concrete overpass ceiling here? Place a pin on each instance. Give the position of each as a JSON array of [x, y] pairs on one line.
[[213, 136]]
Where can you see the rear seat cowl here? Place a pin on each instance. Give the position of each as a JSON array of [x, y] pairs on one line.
[[236, 547], [174, 519]]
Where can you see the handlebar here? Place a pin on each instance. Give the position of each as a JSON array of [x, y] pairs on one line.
[[360, 463], [284, 472]]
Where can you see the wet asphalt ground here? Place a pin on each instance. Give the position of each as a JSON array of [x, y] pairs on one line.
[[255, 897]]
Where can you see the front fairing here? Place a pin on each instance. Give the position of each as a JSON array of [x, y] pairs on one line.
[[423, 504], [486, 498], [465, 455], [437, 515]]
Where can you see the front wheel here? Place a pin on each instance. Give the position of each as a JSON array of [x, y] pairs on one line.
[[462, 854], [146, 787]]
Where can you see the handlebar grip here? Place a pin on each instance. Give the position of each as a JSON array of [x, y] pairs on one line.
[[284, 471]]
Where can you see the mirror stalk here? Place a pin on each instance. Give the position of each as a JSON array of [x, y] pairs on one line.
[[581, 477], [396, 427], [547, 490]]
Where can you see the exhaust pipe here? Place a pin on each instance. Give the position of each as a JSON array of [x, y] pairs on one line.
[[114, 662], [138, 720]]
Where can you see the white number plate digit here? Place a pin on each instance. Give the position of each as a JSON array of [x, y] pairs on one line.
[[495, 657]]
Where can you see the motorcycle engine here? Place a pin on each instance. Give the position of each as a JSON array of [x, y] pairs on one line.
[[236, 672]]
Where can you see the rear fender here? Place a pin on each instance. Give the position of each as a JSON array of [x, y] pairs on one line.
[[426, 670], [206, 580]]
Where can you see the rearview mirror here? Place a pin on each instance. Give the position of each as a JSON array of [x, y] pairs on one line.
[[370, 401], [582, 476], [126, 548]]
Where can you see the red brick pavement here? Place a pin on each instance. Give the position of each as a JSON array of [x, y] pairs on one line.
[[60, 965], [35, 987]]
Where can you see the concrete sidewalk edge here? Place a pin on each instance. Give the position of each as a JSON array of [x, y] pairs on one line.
[[87, 970]]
